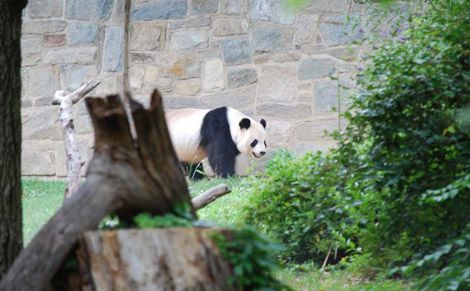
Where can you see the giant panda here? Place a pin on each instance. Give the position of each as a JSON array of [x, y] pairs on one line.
[[219, 135]]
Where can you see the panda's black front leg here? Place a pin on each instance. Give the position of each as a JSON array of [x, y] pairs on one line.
[[222, 161]]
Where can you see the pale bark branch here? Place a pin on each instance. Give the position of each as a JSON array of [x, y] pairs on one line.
[[65, 102], [210, 196]]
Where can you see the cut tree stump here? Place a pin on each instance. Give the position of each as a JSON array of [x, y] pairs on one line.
[[152, 259], [125, 176]]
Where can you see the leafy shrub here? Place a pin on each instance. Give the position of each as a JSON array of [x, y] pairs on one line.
[[296, 203], [397, 185], [251, 257], [411, 94]]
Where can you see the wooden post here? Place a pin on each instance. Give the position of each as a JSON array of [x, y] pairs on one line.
[[65, 102]]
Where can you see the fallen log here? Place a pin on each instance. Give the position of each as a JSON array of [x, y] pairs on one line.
[[210, 196]]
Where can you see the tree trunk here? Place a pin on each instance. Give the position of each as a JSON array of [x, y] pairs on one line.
[[154, 259], [125, 176], [11, 238]]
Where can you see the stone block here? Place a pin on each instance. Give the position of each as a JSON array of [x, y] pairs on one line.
[[176, 65], [187, 87], [159, 9], [313, 130], [83, 124], [285, 57], [284, 111], [315, 68], [53, 40], [147, 36], [335, 31], [213, 72], [240, 99], [151, 73], [189, 40], [230, 26], [323, 145], [173, 102], [204, 6], [269, 38], [340, 6], [272, 10], [236, 51], [136, 77], [325, 95], [41, 81], [45, 8], [40, 123], [30, 50], [26, 103], [278, 83], [142, 58], [305, 28], [38, 159], [79, 33], [82, 55], [114, 49], [241, 77], [88, 10], [43, 27], [278, 133], [165, 85], [43, 101], [234, 6], [198, 22], [104, 8]]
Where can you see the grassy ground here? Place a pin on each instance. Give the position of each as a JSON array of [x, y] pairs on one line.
[[42, 198]]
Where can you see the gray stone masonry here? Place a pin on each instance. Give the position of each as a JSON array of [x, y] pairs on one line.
[[258, 56]]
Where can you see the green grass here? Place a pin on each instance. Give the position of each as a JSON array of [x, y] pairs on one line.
[[42, 198], [309, 277]]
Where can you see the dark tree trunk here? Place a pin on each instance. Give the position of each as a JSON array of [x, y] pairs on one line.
[[11, 238]]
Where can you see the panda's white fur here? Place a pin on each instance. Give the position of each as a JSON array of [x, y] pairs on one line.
[[185, 126]]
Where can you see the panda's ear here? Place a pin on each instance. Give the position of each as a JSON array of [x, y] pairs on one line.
[[263, 122], [245, 123]]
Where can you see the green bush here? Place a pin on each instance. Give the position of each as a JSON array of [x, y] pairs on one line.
[[296, 203], [397, 185], [411, 94]]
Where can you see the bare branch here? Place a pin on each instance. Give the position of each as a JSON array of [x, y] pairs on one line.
[[210, 196]]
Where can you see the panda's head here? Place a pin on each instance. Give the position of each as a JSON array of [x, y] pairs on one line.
[[252, 138]]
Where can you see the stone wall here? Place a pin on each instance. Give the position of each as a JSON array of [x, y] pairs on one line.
[[254, 55]]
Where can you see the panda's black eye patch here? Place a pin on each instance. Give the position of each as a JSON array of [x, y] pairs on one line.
[[254, 143]]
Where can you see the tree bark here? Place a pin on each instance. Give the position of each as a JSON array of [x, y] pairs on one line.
[[65, 102], [125, 176], [154, 259], [11, 238]]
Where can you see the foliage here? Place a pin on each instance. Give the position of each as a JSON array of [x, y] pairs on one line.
[[406, 111], [251, 257], [397, 185], [296, 203], [42, 198], [145, 220]]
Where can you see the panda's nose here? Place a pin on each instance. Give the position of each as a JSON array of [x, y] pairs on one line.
[[262, 153]]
